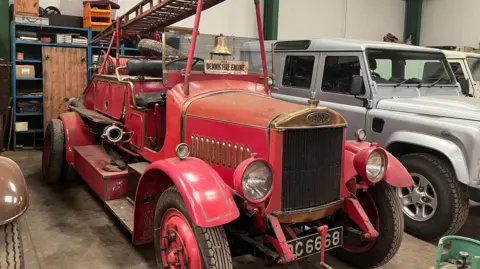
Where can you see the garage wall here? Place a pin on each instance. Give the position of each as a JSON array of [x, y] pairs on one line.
[[450, 22], [359, 19]]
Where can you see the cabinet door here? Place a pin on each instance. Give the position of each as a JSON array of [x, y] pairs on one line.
[[26, 7], [64, 76]]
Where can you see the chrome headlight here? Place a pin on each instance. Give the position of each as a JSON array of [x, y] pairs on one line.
[[257, 181], [270, 81], [376, 165], [182, 151]]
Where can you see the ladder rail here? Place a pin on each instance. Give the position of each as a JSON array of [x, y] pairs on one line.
[[156, 17]]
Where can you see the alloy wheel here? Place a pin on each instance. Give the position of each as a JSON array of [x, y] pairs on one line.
[[419, 202]]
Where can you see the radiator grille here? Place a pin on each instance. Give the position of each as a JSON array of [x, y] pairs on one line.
[[312, 161]]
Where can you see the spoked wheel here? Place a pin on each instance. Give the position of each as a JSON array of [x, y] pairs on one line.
[[384, 212], [53, 151], [180, 244]]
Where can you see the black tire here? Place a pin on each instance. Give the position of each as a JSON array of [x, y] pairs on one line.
[[150, 47], [452, 197], [55, 142], [11, 247], [390, 232], [212, 242]]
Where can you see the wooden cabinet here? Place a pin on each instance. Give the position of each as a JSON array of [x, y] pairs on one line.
[[26, 7], [64, 76]]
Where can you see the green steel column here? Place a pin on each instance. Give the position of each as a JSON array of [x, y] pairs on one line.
[[4, 30], [413, 20], [270, 19]]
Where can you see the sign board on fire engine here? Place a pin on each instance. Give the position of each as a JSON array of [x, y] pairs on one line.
[[226, 67]]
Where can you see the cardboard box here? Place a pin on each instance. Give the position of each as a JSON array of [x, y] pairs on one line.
[[21, 126], [25, 71]]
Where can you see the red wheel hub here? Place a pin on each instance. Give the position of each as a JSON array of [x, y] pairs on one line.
[[368, 204], [46, 153], [178, 244]]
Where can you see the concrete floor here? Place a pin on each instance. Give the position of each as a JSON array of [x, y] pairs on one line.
[[67, 227]]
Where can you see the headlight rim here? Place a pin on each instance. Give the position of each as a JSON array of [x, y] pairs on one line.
[[239, 175], [380, 176]]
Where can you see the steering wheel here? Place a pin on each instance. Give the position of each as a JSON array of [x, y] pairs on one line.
[[375, 74], [197, 59]]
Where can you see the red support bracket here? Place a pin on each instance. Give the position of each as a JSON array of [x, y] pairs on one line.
[[280, 242], [355, 211]]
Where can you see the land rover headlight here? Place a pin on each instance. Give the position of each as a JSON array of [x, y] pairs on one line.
[[257, 181], [376, 165]]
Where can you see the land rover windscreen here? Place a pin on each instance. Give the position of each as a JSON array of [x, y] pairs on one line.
[[411, 71]]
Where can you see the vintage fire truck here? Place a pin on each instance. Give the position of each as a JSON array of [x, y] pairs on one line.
[[204, 161]]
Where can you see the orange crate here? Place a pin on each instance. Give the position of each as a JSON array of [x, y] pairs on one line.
[[96, 16]]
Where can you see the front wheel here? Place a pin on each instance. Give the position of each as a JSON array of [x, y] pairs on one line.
[[180, 244], [385, 214], [11, 248], [437, 205]]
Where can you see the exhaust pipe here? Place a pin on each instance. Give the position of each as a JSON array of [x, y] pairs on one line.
[[74, 102], [113, 134]]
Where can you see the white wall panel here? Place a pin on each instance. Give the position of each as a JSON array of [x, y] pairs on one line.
[[360, 19], [450, 22]]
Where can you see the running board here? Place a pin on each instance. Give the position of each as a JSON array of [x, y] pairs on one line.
[[124, 211]]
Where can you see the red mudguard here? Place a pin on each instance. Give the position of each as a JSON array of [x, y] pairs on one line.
[[77, 133], [208, 199]]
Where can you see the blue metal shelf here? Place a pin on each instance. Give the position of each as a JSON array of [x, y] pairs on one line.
[[29, 61], [29, 78], [29, 96], [30, 114], [53, 27], [18, 42], [30, 131]]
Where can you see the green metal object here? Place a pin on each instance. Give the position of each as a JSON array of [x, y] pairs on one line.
[[4, 30], [270, 19], [451, 248], [413, 20]]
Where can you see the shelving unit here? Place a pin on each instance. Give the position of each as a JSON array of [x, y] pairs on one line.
[[33, 55]]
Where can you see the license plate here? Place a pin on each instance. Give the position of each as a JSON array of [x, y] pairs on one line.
[[311, 244]]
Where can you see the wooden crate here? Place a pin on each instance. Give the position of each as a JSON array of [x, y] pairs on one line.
[[26, 7]]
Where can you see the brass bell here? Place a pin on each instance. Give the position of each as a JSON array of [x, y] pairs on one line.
[[220, 45]]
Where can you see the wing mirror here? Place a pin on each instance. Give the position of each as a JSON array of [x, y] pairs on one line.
[[357, 86]]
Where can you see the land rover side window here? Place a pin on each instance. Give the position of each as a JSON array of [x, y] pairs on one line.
[[298, 71], [408, 67], [338, 73], [457, 70], [474, 65]]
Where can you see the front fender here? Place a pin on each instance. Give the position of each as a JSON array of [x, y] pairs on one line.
[[449, 149], [395, 175], [77, 133], [208, 199], [13, 191]]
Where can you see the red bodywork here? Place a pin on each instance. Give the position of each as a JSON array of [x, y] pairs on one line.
[[209, 112]]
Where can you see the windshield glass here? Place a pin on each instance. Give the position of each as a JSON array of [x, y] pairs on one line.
[[407, 67], [474, 65]]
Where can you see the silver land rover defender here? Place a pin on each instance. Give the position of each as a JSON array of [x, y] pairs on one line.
[[405, 98]]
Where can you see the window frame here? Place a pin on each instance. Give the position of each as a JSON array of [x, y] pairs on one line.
[[314, 68], [365, 73]]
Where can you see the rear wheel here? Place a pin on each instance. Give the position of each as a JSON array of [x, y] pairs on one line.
[[53, 156], [11, 248], [385, 214], [180, 244]]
